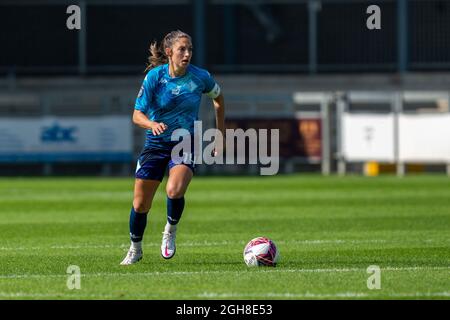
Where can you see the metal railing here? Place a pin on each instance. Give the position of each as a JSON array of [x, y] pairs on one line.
[[413, 36]]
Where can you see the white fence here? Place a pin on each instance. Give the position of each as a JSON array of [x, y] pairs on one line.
[[354, 126], [399, 135], [61, 139]]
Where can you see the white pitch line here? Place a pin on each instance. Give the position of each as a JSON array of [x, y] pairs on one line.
[[214, 295], [203, 244], [50, 295], [174, 273], [322, 295]]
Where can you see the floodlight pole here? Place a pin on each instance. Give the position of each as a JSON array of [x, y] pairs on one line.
[[313, 7], [199, 32], [402, 35], [229, 34], [82, 61]]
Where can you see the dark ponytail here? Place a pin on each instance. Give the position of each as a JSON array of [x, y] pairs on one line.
[[158, 52], [157, 56]]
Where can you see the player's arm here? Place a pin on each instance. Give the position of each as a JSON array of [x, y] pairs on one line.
[[214, 92], [143, 105], [219, 107], [141, 120]]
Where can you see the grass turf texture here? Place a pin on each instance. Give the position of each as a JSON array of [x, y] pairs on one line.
[[328, 231]]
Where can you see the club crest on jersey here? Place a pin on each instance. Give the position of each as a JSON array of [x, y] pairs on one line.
[[176, 90], [163, 81], [192, 86]]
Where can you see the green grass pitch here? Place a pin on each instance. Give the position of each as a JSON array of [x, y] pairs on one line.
[[329, 230]]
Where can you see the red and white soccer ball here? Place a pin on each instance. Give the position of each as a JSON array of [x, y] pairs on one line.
[[261, 251]]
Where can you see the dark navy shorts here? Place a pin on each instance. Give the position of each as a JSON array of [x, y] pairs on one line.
[[152, 163]]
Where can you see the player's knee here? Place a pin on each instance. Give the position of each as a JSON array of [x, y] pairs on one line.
[[141, 206], [174, 192]]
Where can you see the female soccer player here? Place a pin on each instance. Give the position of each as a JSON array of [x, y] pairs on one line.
[[169, 99]]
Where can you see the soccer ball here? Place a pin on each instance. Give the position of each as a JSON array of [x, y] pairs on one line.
[[261, 251]]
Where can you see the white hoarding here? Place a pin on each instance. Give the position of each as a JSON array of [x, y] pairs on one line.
[[368, 137], [106, 138], [424, 138]]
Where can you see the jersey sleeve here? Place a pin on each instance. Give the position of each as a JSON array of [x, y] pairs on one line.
[[212, 89], [145, 94]]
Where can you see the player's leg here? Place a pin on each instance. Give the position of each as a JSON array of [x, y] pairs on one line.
[[179, 178], [144, 191], [150, 170]]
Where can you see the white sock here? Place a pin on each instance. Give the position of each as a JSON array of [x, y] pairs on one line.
[[170, 227], [137, 246]]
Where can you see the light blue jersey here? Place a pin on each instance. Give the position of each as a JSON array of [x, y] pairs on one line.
[[173, 101]]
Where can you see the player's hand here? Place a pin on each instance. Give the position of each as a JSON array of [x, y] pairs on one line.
[[218, 150], [158, 128]]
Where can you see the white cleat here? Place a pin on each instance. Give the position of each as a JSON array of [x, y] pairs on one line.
[[168, 245], [132, 257]]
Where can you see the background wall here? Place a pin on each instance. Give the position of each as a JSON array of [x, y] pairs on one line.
[[262, 53]]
